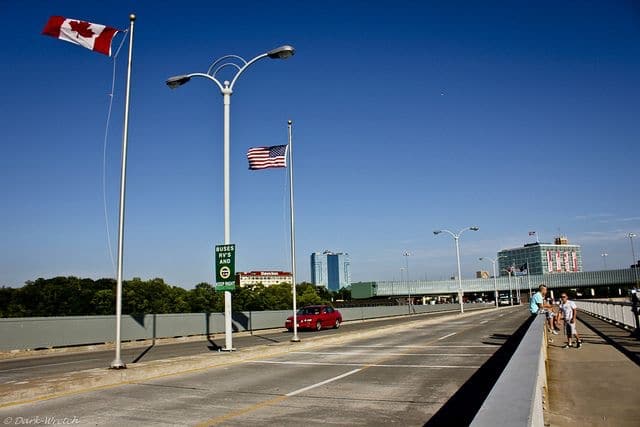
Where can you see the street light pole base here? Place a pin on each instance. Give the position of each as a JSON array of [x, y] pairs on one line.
[[117, 364], [295, 339], [228, 349]]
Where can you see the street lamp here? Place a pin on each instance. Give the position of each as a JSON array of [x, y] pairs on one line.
[[406, 256], [633, 255], [495, 279], [508, 270], [604, 256], [226, 89], [456, 237]]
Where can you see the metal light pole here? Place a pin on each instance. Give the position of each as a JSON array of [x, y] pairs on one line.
[[508, 270], [401, 277], [456, 237], [406, 256], [226, 89], [604, 256], [293, 235], [633, 255], [529, 277], [495, 279]]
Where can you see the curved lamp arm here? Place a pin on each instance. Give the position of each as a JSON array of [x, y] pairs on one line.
[[174, 82], [472, 228], [436, 232], [245, 66]]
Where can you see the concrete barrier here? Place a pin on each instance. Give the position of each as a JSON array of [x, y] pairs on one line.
[[518, 395], [47, 332]]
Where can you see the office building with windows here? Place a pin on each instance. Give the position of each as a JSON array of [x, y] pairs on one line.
[[331, 270], [265, 278], [541, 258]]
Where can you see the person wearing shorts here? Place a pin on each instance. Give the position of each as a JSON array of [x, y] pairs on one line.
[[569, 311], [538, 306]]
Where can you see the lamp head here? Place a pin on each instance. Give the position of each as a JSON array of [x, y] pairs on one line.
[[474, 228], [282, 52], [631, 235], [481, 259], [175, 81], [436, 232]]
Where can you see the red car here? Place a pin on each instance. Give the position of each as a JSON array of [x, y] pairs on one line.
[[315, 317]]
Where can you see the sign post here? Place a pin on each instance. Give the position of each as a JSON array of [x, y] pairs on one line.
[[225, 267]]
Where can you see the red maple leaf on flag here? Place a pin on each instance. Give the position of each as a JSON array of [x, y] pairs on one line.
[[82, 28]]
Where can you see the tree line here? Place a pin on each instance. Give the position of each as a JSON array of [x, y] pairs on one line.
[[73, 296]]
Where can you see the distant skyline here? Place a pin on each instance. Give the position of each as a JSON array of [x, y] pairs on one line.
[[407, 117]]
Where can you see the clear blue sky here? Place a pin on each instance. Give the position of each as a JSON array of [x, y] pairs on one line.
[[408, 117]]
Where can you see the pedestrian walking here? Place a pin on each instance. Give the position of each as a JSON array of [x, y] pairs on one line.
[[569, 311]]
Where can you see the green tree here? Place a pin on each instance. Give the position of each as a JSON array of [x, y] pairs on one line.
[[103, 302], [202, 299], [278, 297], [307, 295]]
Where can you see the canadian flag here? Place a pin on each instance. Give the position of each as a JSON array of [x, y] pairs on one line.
[[87, 34]]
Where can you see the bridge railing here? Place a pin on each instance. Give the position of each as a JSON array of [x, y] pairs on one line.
[[620, 277], [517, 397], [621, 313]]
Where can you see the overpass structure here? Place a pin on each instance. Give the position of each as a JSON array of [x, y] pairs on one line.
[[621, 278]]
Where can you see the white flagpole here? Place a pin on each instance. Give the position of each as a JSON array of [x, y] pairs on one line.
[[293, 237], [117, 361]]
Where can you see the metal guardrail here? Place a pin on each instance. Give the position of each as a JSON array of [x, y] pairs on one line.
[[517, 397], [621, 313], [46, 332]]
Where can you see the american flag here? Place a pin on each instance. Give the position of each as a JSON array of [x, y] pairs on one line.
[[267, 157]]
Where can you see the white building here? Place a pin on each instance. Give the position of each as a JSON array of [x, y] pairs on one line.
[[266, 278]]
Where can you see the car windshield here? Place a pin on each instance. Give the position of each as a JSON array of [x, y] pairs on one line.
[[309, 310]]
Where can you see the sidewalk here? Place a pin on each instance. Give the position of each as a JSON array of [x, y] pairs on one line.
[[598, 384]]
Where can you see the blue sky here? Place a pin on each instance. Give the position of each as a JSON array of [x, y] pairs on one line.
[[408, 117]]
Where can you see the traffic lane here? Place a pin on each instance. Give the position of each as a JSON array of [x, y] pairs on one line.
[[292, 393], [406, 389], [38, 367]]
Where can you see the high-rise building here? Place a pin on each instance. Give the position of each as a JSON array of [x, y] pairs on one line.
[[331, 270], [541, 258]]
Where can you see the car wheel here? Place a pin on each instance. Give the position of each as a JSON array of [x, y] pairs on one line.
[[318, 325], [337, 324]]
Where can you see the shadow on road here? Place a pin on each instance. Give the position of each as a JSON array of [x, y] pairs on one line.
[[462, 407]]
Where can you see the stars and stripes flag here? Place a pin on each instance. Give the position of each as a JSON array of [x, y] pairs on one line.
[[267, 157], [86, 34]]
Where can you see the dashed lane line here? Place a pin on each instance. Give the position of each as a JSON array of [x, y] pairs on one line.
[[447, 336], [330, 380]]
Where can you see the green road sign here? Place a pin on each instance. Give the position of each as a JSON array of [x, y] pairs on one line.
[[225, 267]]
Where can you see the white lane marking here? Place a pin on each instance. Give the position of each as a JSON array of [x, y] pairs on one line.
[[362, 353], [49, 364], [500, 315], [301, 390], [373, 365], [483, 322], [418, 346], [447, 336]]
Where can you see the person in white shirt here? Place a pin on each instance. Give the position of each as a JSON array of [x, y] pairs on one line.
[[569, 311]]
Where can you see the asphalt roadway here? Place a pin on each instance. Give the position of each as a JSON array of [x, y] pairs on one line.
[[407, 376], [32, 367]]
